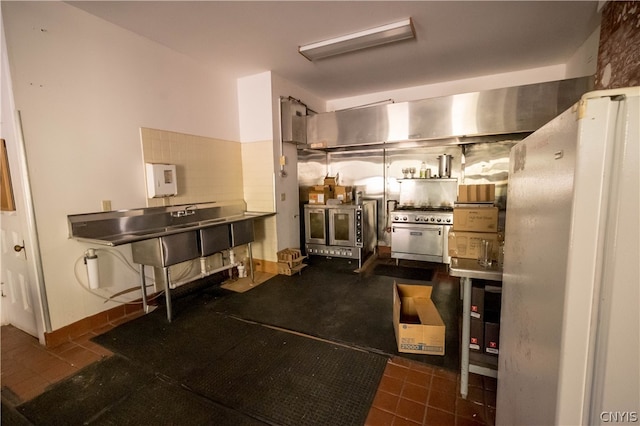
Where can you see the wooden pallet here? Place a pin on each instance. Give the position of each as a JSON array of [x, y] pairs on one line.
[[290, 261], [285, 269], [291, 257]]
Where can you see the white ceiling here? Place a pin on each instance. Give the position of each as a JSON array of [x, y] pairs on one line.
[[455, 39]]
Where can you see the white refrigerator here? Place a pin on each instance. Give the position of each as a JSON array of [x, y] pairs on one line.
[[570, 324]]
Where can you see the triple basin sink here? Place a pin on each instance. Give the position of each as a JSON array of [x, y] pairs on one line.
[[168, 246], [129, 226]]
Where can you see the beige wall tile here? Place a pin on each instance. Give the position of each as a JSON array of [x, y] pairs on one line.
[[208, 169], [218, 170]]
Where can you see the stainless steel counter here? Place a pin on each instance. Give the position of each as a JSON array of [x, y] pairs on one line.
[[163, 236], [146, 234], [116, 228], [468, 269]]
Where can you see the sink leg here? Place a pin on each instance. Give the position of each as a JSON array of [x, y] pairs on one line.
[[143, 288], [250, 261], [167, 293]]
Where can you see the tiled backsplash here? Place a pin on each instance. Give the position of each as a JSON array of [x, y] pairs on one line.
[[217, 170], [207, 169]]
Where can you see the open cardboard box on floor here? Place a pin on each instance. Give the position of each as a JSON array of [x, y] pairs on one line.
[[418, 325]]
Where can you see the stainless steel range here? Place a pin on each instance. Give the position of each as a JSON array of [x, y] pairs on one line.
[[421, 233]]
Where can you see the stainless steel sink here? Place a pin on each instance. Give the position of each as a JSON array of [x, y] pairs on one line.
[[166, 250], [131, 226], [214, 239]]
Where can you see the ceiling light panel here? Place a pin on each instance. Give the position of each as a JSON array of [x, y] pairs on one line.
[[361, 40]]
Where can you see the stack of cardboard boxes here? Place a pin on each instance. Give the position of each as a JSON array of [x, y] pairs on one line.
[[290, 261], [330, 190], [475, 218]]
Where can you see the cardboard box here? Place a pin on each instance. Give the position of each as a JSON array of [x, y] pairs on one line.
[[477, 302], [332, 181], [319, 194], [477, 193], [466, 245], [290, 255], [492, 338], [290, 261], [476, 335], [475, 219], [416, 321], [343, 193]]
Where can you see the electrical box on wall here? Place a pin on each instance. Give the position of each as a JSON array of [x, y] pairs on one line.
[[161, 180], [294, 120]]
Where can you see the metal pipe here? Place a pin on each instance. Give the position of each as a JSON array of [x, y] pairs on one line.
[[167, 292], [283, 173], [143, 285], [250, 261]]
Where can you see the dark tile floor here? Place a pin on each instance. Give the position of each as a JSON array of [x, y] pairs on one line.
[[410, 392]]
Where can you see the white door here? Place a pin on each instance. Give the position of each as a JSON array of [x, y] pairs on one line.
[[17, 299], [20, 298]]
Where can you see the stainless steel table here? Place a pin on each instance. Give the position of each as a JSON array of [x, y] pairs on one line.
[[466, 270]]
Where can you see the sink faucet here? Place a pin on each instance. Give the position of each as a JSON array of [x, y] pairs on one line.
[[188, 211]]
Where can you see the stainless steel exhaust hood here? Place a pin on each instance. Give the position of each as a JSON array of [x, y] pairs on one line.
[[512, 110]]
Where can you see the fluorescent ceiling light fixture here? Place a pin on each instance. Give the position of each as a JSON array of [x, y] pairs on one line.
[[361, 40]]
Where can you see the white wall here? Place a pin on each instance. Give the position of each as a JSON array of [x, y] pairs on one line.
[[286, 187], [85, 87], [585, 60], [259, 97], [256, 133], [254, 107]]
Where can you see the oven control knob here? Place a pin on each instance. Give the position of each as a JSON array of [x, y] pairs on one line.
[[448, 220], [405, 218], [432, 219], [439, 220], [396, 217]]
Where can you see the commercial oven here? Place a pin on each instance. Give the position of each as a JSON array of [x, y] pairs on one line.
[[421, 234], [341, 230]]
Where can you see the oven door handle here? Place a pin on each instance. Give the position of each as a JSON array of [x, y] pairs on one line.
[[417, 232]]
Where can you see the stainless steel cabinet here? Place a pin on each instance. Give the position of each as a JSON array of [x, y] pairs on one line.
[[166, 251]]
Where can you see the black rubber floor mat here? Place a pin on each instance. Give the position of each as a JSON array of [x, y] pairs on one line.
[[352, 311], [293, 380], [162, 403], [270, 375], [356, 309], [10, 416], [404, 272], [195, 338], [86, 394]]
